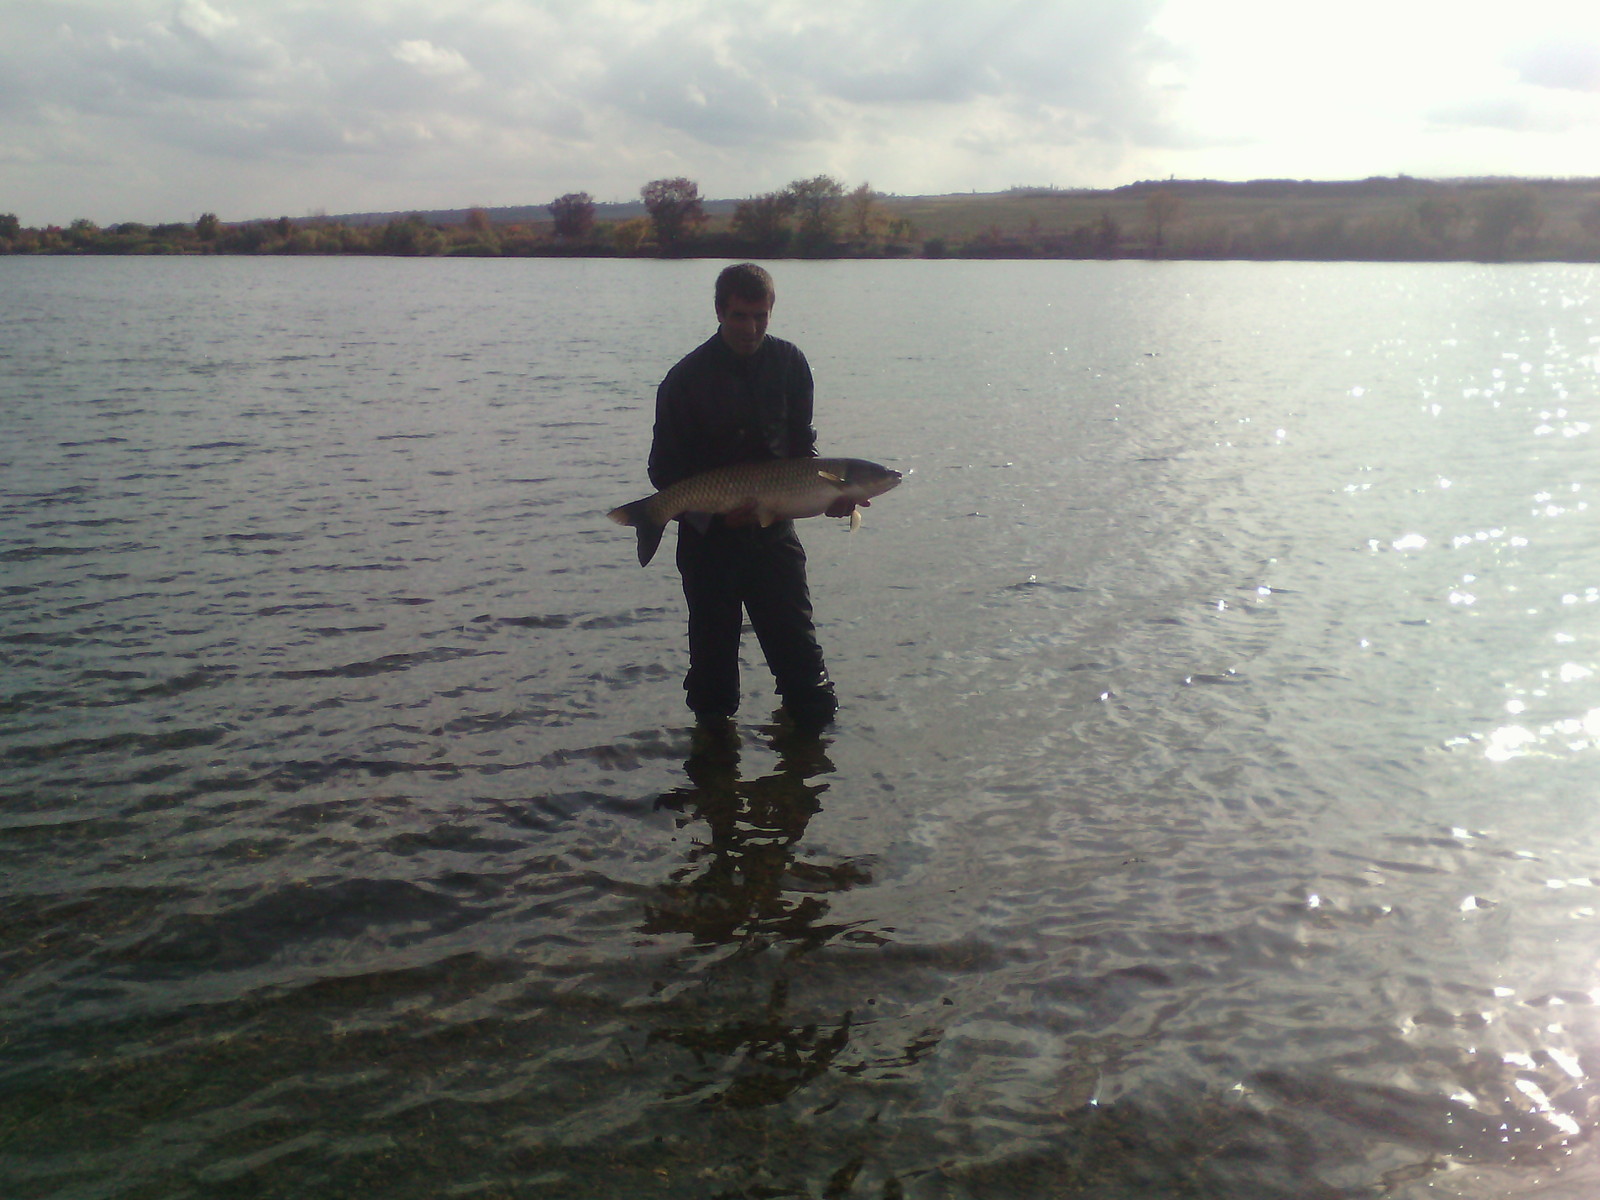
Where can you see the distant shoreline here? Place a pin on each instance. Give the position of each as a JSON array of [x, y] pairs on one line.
[[1383, 219]]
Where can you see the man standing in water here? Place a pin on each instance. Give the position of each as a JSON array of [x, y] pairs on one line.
[[742, 396]]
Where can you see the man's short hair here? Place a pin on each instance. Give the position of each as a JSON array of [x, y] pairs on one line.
[[746, 281]]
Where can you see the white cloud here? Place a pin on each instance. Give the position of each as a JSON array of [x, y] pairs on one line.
[[439, 62], [199, 18]]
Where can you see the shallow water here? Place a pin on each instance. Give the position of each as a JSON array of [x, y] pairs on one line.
[[1212, 812]]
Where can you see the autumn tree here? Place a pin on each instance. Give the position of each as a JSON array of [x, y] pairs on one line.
[[764, 220], [1588, 220], [1161, 209], [409, 235], [817, 201], [476, 236], [82, 233], [1440, 217], [573, 214], [244, 239], [861, 208], [628, 236], [1505, 212], [674, 208], [901, 229], [1105, 233]]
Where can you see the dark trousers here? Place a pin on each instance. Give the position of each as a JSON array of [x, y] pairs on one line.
[[728, 572]]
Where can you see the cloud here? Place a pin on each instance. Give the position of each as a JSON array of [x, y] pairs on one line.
[[437, 62], [1077, 55], [577, 93], [204, 22], [118, 64], [1561, 64], [1505, 111], [686, 81], [856, 88], [1522, 109]]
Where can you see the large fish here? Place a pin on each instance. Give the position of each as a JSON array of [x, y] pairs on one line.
[[781, 489]]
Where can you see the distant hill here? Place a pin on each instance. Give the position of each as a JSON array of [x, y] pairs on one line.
[[1382, 218]]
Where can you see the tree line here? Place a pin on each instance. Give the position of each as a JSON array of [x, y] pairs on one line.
[[1381, 219], [815, 216]]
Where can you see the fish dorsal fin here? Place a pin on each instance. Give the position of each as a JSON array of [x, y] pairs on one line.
[[831, 477]]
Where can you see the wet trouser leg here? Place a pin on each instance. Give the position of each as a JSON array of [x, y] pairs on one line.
[[763, 571], [716, 615], [778, 599]]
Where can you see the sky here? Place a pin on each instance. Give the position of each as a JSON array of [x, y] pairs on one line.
[[160, 110]]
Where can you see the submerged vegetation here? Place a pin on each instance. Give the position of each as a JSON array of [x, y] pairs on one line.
[[1379, 219]]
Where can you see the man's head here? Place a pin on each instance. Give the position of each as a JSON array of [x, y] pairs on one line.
[[744, 299]]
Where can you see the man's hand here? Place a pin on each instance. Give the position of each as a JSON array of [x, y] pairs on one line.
[[844, 506]]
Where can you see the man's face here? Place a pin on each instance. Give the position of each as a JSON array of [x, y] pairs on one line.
[[744, 323]]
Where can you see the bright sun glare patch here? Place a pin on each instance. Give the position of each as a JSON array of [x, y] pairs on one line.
[[1570, 734]]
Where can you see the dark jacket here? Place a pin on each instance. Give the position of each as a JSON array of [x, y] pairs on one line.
[[716, 408]]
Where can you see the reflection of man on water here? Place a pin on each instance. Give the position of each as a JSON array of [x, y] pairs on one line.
[[743, 887], [743, 884]]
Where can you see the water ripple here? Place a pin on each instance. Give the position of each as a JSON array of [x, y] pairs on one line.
[[1209, 818]]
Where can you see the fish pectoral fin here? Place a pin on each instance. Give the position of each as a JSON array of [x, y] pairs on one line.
[[830, 477]]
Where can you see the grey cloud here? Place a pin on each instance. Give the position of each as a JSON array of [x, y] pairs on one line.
[[117, 63], [1044, 130], [221, 39], [718, 76], [207, 82], [1511, 113], [683, 86], [1560, 64], [289, 136], [787, 75], [526, 90], [1068, 52]]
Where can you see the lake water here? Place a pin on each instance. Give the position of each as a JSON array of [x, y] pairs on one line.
[[1214, 808]]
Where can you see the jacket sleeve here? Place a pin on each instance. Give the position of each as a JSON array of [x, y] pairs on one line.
[[667, 454], [802, 394]]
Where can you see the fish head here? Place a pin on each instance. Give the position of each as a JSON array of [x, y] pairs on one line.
[[868, 479]]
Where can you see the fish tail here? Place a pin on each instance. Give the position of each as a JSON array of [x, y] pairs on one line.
[[649, 533]]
